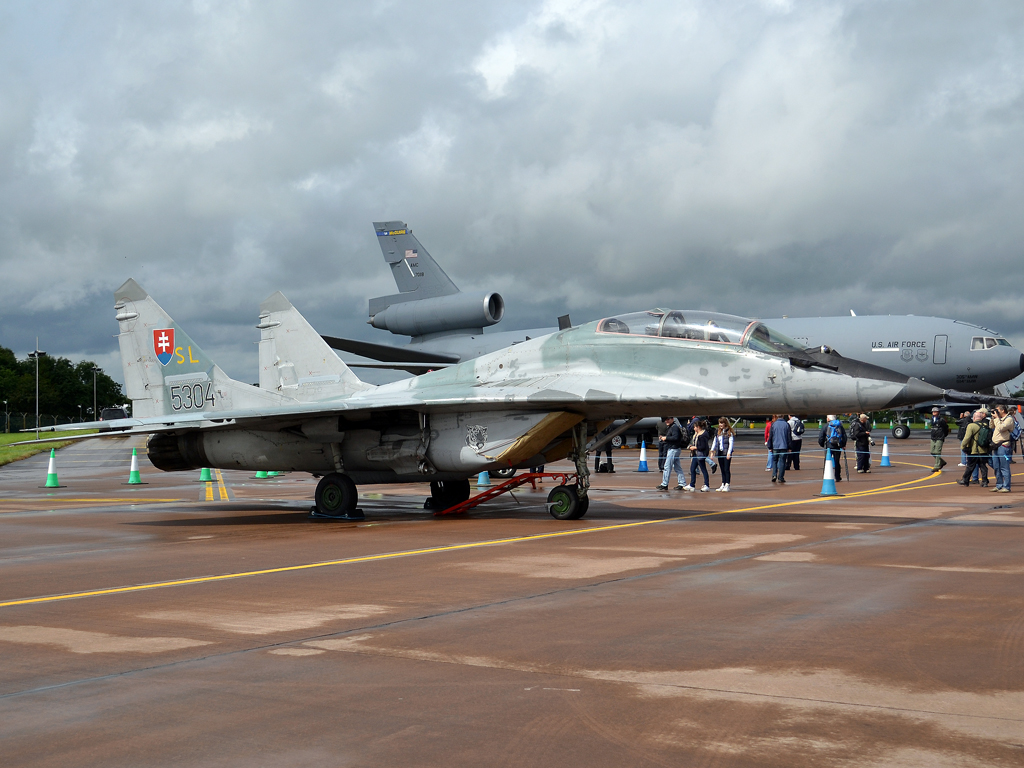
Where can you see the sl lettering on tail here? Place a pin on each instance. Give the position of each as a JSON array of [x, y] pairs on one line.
[[163, 344]]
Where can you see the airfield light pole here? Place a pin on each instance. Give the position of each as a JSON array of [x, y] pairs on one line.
[[37, 354], [79, 414], [95, 413], [7, 419]]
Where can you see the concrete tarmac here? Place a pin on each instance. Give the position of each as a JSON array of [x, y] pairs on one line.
[[180, 623]]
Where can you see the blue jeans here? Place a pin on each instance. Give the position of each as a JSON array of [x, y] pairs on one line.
[[1001, 461], [779, 470], [672, 460]]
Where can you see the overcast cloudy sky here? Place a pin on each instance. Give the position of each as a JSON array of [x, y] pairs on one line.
[[759, 158]]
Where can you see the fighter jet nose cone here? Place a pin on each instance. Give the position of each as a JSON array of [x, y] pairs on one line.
[[1022, 363], [916, 391]]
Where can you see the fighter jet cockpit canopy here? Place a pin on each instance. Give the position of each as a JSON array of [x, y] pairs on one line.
[[709, 327]]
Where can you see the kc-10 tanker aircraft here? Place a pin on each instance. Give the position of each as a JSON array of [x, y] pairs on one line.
[[533, 403]]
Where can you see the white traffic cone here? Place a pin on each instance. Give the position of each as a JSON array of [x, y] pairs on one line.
[[643, 457], [828, 480], [885, 453]]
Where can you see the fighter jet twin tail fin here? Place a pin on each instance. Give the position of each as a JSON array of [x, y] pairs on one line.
[[166, 373]]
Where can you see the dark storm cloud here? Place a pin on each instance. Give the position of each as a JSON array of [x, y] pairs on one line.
[[761, 158]]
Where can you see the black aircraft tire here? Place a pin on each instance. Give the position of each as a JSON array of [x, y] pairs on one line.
[[336, 495], [901, 431], [502, 474], [563, 503], [448, 493], [582, 505]]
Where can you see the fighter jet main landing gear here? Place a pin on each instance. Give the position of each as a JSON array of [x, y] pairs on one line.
[[901, 431], [336, 498]]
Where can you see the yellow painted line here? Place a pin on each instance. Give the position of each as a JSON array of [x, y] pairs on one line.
[[49, 499], [435, 550], [209, 492], [221, 487]]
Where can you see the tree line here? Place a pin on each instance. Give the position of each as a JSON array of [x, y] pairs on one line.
[[63, 386]]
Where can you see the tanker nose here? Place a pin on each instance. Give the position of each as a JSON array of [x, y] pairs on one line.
[[1022, 363], [915, 391]]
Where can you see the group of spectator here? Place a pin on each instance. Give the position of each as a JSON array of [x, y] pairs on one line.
[[986, 440], [703, 448]]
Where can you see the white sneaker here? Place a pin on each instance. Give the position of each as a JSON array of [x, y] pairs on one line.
[[767, 469], [727, 487], [705, 489], [961, 465], [689, 488]]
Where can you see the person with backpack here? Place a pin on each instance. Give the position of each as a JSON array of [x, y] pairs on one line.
[[833, 437], [722, 448], [939, 431], [1003, 427], [860, 431], [797, 428], [976, 443], [767, 444]]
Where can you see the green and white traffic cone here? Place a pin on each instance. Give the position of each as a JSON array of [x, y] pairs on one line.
[[133, 473], [206, 476], [51, 471], [261, 474], [274, 473]]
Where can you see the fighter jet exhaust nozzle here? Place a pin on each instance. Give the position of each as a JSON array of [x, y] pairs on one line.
[[442, 313], [177, 453]]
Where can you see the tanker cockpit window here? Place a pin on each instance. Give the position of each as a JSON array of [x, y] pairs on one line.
[[987, 342]]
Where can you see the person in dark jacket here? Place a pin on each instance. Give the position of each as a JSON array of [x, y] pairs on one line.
[[860, 431], [832, 436], [700, 447], [674, 446], [780, 440], [939, 430], [606, 449]]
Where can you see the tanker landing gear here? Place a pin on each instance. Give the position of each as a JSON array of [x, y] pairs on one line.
[[336, 498], [901, 431]]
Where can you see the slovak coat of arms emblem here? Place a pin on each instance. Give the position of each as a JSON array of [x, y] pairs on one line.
[[163, 344]]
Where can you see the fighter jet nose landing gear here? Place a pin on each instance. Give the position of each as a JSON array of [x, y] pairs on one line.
[[336, 498]]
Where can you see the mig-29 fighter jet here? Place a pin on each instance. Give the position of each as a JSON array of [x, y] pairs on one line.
[[529, 404]]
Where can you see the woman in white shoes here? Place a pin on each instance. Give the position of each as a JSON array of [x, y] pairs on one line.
[[700, 447], [722, 448]]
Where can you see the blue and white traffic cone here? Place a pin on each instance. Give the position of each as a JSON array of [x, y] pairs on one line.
[[483, 480], [828, 480], [643, 457], [885, 453]]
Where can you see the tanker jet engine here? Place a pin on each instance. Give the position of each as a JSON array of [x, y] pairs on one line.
[[533, 403]]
